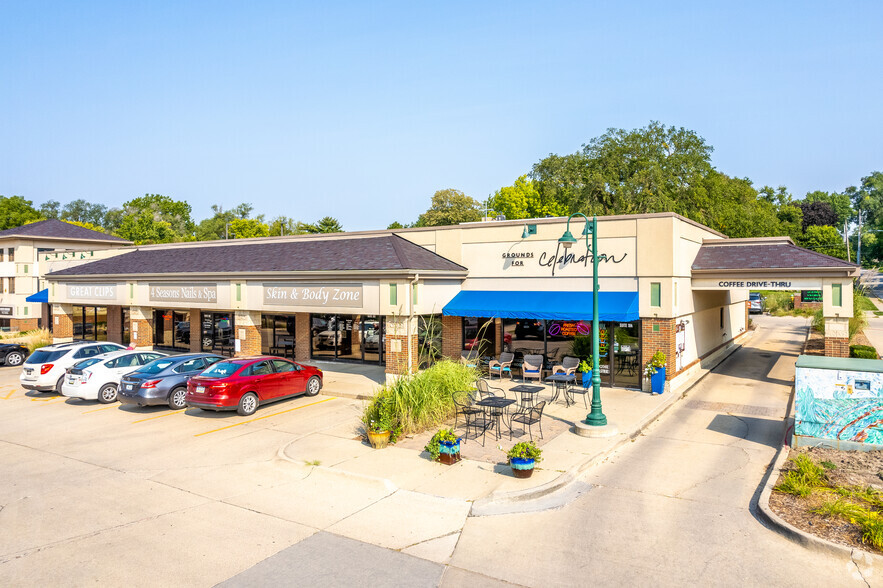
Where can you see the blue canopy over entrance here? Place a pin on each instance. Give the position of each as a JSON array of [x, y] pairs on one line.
[[612, 306], [41, 296]]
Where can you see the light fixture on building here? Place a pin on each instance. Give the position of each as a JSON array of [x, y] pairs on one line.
[[567, 239], [528, 231]]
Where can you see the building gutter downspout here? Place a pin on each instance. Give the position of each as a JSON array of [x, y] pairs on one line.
[[413, 284]]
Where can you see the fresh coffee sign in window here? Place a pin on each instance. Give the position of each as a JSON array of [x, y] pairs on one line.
[[336, 295], [184, 293]]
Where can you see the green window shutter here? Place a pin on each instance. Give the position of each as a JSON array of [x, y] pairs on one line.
[[393, 294], [238, 292], [26, 268], [655, 294], [26, 311], [414, 294], [837, 294]]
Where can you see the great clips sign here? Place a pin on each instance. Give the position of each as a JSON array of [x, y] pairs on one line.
[[91, 291]]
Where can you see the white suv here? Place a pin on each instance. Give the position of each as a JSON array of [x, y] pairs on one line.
[[44, 369]]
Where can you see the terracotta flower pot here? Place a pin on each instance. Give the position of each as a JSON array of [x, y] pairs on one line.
[[522, 467], [378, 440]]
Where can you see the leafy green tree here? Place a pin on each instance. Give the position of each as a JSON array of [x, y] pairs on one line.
[[215, 227], [81, 210], [247, 228], [450, 207], [395, 225], [89, 226], [51, 209], [329, 225], [523, 200], [824, 239], [283, 225], [16, 211], [171, 217]]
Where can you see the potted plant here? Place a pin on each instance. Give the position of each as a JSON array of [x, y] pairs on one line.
[[523, 457], [380, 422], [655, 370], [586, 368], [444, 447]]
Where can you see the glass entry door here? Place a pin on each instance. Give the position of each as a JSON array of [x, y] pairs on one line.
[[347, 337]]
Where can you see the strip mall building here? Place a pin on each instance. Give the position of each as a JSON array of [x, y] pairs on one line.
[[666, 283]]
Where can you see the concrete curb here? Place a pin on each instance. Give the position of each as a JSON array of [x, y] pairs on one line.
[[334, 472], [515, 501]]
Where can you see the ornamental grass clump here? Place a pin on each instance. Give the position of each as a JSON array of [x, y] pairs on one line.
[[424, 400]]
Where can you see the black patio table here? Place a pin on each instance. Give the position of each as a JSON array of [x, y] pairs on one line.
[[528, 394], [562, 382], [496, 404]]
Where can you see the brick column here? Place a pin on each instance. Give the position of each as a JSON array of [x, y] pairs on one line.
[[302, 326], [401, 341], [658, 334], [22, 324], [115, 324], [498, 336], [62, 323], [195, 330], [248, 333], [836, 337], [452, 337], [141, 327]]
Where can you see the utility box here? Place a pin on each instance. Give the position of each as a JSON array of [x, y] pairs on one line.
[[838, 402]]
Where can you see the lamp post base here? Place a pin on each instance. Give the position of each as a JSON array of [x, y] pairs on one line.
[[584, 430]]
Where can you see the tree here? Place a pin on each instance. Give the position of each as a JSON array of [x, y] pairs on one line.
[[523, 200], [171, 217], [83, 211], [824, 239], [839, 203], [247, 228], [215, 227], [450, 207], [283, 225], [329, 225], [89, 226], [16, 211], [51, 209], [817, 213], [395, 225]]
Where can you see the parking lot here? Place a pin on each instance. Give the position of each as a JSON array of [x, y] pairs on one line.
[[108, 493]]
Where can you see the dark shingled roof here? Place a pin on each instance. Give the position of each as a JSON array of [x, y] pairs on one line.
[[56, 229], [388, 252], [723, 256]]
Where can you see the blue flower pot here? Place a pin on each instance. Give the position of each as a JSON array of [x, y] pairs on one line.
[[657, 381], [587, 379], [449, 452], [522, 467]]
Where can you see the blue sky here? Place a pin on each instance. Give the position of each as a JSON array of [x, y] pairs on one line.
[[362, 111]]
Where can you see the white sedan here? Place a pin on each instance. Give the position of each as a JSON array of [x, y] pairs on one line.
[[98, 378]]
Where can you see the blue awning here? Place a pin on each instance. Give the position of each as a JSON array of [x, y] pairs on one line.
[[612, 306], [41, 296]]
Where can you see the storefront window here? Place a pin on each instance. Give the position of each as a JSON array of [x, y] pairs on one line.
[[278, 334], [348, 337], [627, 354], [127, 336], [89, 323], [217, 332], [480, 334], [171, 329], [429, 339], [372, 338]]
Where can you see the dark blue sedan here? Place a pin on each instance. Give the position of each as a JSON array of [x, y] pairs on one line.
[[164, 381]]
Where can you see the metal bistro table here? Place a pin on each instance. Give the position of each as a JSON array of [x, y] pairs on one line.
[[495, 406], [562, 382], [528, 394]]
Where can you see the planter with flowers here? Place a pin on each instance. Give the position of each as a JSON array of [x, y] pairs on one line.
[[655, 370], [380, 422], [523, 458], [444, 447]]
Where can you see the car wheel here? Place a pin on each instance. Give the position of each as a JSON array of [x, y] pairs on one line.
[[207, 343], [107, 394], [248, 404], [313, 386], [14, 358], [177, 399], [59, 384]]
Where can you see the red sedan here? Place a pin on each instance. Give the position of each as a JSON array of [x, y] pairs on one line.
[[246, 383]]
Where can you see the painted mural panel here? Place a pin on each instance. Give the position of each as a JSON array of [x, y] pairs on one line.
[[839, 404]]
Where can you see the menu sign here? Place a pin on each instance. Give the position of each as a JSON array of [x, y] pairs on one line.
[[810, 295], [207, 293], [337, 295], [91, 291], [5, 311]]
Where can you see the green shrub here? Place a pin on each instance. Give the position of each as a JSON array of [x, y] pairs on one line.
[[862, 351], [863, 303], [818, 322], [778, 303], [424, 400], [814, 474], [794, 484]]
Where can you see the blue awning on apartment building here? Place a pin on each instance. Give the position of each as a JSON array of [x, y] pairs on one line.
[[612, 306]]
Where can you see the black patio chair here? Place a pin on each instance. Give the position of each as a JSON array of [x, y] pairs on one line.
[[463, 402], [528, 418], [474, 418], [580, 389]]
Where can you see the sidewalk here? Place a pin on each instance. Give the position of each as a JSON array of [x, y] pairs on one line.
[[482, 478]]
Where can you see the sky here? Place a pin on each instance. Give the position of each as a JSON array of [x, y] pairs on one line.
[[362, 110]]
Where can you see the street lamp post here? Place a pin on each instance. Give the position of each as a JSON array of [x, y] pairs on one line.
[[596, 417]]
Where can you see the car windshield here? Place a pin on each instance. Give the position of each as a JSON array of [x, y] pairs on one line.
[[754, 296], [87, 362], [221, 369], [155, 366], [44, 356]]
